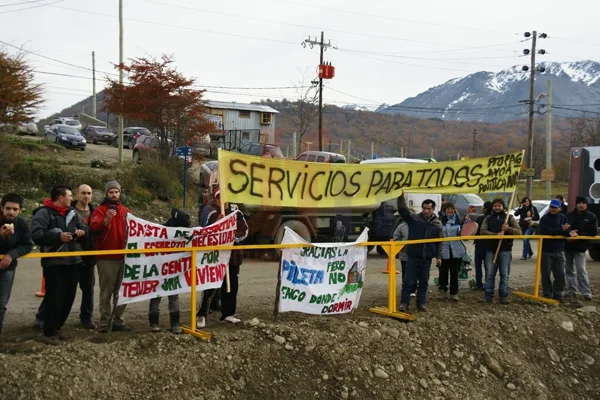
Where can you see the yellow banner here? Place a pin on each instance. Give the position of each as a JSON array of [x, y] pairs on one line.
[[288, 183]]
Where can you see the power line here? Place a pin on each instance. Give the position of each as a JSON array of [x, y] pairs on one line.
[[32, 7], [363, 14], [295, 25], [21, 3], [177, 26]]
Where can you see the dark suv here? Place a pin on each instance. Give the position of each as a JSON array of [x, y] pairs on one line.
[[130, 136], [258, 149]]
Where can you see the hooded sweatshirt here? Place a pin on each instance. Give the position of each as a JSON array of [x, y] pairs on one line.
[[113, 236]]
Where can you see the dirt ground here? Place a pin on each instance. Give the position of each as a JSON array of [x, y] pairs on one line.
[[467, 350]]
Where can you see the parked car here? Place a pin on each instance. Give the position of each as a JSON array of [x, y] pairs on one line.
[[206, 170], [65, 121], [258, 149], [130, 136], [97, 134], [542, 207], [66, 136], [147, 147], [466, 203], [201, 146], [23, 128], [321, 156]]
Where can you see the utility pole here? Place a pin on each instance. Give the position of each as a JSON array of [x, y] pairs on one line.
[[474, 143], [408, 146], [294, 152], [94, 84], [372, 149], [121, 77], [549, 135], [532, 70], [323, 47]]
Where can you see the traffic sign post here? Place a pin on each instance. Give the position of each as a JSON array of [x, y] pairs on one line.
[[185, 152]]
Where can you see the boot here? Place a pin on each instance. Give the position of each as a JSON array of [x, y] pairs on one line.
[[153, 317], [175, 327]]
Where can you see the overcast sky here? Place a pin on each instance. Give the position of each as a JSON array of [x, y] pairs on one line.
[[388, 50]]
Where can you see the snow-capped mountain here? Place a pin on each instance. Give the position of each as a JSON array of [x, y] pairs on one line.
[[358, 107], [496, 97]]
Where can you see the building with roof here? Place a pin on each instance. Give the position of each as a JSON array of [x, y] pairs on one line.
[[242, 123]]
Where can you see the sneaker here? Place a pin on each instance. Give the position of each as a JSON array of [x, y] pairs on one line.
[[413, 295], [62, 336], [487, 300], [103, 329], [154, 328], [454, 298], [422, 308], [201, 322], [38, 324], [176, 330], [51, 340], [587, 297], [231, 319], [504, 300], [403, 308], [88, 324], [121, 328]]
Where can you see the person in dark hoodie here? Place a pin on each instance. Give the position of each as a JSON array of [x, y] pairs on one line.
[[211, 214], [583, 223], [179, 218], [497, 224], [480, 247], [108, 224], [15, 242], [57, 227], [423, 225], [87, 278], [554, 223]]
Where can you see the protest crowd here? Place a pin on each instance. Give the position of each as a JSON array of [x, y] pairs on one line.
[[65, 224]]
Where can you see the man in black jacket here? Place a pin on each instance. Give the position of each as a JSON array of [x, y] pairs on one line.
[[87, 276], [15, 242], [57, 227], [554, 223], [583, 223], [480, 247], [423, 225]]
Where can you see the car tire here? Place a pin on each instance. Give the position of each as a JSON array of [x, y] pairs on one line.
[[115, 142], [94, 141], [136, 157], [297, 226], [595, 253], [130, 144]]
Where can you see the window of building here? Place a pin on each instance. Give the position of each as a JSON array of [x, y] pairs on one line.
[[245, 135], [244, 114], [265, 118]]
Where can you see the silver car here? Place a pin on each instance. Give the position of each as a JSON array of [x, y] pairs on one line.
[[466, 203]]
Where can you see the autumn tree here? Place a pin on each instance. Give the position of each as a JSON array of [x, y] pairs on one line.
[[303, 111], [20, 96], [161, 98]]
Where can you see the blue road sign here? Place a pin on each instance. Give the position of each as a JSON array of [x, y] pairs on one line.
[[183, 151]]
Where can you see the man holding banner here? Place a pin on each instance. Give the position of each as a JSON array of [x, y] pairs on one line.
[[424, 225]]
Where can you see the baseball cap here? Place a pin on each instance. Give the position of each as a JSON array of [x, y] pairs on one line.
[[555, 203]]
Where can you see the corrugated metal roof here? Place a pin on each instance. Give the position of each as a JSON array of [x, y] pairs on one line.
[[240, 106]]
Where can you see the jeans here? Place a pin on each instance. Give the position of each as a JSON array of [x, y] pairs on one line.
[[503, 264], [403, 265], [61, 288], [577, 276], [452, 266], [173, 304], [7, 278], [417, 273], [527, 251], [553, 264], [87, 281], [480, 251], [228, 300]]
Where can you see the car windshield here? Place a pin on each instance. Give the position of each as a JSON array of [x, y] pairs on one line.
[[67, 130], [472, 199], [275, 152], [71, 122], [142, 131]]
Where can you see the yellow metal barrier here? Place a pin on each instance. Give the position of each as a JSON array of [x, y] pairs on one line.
[[391, 248]]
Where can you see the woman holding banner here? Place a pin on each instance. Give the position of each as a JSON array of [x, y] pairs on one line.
[[452, 251]]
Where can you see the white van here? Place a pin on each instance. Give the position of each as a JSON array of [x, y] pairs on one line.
[[413, 200]]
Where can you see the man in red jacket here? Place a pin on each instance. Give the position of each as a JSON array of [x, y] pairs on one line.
[[108, 224]]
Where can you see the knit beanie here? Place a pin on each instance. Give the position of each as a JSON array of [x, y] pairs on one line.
[[112, 185]]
